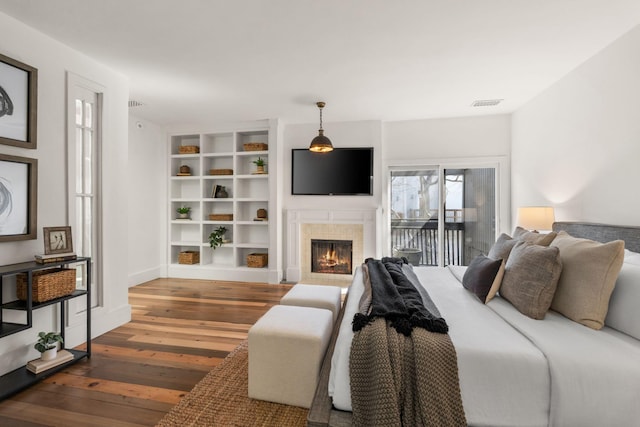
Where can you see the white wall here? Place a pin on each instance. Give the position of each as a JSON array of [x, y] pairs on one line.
[[53, 60], [576, 146], [147, 201]]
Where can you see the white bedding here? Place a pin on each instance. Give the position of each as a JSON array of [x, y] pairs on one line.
[[504, 379], [519, 372]]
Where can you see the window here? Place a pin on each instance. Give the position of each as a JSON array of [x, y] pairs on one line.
[[442, 216], [84, 137]]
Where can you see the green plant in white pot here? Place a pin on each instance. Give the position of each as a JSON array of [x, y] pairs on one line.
[[183, 212], [47, 344], [216, 238]]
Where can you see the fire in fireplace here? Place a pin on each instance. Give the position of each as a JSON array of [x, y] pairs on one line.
[[331, 256]]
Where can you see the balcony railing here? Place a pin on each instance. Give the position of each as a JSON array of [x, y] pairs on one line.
[[422, 235]]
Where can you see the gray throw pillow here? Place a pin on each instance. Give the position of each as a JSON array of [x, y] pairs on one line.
[[502, 247], [483, 277], [531, 278]]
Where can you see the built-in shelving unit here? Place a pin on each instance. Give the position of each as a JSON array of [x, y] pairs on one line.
[[20, 378], [247, 192]]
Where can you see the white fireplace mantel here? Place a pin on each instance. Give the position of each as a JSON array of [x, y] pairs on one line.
[[369, 219]]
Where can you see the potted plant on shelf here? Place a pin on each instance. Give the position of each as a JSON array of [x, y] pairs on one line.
[[259, 165], [216, 238], [47, 344], [183, 212]]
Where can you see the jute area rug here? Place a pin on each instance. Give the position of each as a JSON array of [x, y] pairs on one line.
[[221, 399]]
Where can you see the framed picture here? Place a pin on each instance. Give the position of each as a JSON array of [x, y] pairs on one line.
[[216, 189], [18, 198], [57, 240], [18, 103]]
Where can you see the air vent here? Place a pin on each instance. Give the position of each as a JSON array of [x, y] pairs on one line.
[[134, 103], [486, 102]]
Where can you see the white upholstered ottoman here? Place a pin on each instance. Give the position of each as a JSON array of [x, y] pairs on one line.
[[318, 296], [286, 348]]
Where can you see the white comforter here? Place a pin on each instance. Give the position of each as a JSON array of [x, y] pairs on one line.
[[519, 372]]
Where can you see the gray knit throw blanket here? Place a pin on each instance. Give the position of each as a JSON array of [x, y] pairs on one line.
[[399, 380]]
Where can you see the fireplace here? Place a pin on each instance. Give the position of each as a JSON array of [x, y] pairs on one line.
[[331, 256], [358, 226]]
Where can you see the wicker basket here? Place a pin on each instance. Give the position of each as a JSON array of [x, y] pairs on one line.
[[221, 217], [255, 146], [189, 257], [220, 171], [47, 284], [257, 260], [188, 149]]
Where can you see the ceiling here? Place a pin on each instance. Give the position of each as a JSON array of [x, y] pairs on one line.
[[194, 62]]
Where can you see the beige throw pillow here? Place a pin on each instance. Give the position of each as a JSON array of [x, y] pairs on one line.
[[589, 274], [531, 277], [534, 237]]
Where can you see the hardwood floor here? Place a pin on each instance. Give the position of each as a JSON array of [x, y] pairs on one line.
[[180, 329]]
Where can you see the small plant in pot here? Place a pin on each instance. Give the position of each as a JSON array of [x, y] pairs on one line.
[[47, 344], [216, 238], [183, 212], [259, 165]]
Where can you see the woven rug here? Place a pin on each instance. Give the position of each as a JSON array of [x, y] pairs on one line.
[[221, 399]]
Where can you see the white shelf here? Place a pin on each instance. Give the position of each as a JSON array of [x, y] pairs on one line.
[[248, 191]]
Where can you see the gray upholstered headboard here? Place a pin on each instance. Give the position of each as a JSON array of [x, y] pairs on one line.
[[602, 233]]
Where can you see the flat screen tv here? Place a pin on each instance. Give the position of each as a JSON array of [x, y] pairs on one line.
[[341, 172]]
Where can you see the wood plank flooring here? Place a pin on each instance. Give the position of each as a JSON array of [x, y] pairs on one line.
[[180, 329]]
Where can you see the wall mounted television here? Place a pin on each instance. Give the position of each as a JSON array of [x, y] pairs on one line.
[[341, 172]]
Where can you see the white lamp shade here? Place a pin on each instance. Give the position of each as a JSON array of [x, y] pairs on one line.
[[536, 217]]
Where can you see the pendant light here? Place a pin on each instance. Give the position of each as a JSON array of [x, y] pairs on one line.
[[321, 144]]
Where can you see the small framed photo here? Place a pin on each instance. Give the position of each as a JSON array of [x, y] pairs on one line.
[[18, 198], [57, 240], [18, 103]]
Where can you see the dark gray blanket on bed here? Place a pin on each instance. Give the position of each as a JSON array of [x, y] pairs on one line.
[[397, 296], [401, 373]]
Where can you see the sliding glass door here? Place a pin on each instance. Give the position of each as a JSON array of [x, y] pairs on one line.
[[441, 216]]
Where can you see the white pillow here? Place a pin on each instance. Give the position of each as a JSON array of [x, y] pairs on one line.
[[623, 313], [631, 257]]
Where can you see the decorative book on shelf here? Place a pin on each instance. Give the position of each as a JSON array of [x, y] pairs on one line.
[[43, 259], [37, 366]]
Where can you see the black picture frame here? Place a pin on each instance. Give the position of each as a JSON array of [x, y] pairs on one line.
[[18, 198], [18, 103], [57, 240]]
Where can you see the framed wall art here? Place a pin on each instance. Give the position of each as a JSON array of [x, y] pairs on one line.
[[18, 198], [57, 240], [18, 103]]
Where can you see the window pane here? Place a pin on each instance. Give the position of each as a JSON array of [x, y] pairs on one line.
[[88, 115], [414, 215], [478, 213], [88, 224], [78, 112], [87, 171], [78, 230], [78, 175]]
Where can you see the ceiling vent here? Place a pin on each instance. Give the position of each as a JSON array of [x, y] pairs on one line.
[[486, 102], [134, 103]]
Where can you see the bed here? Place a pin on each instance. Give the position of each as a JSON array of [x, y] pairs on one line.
[[515, 370]]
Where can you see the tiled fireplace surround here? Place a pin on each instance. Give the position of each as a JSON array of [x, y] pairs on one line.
[[360, 226]]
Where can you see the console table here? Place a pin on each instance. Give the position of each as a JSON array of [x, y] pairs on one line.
[[20, 378]]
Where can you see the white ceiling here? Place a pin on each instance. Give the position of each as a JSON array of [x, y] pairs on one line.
[[192, 62]]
